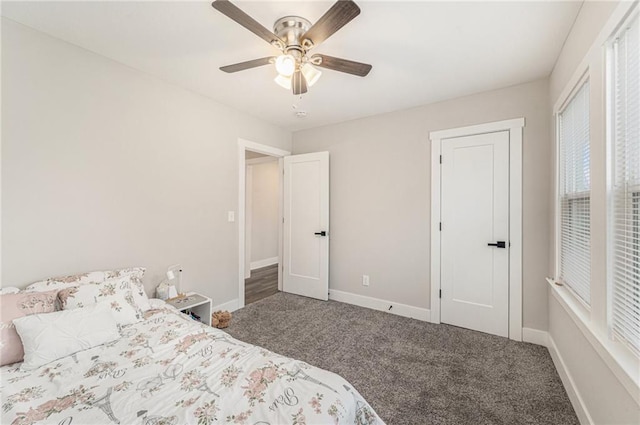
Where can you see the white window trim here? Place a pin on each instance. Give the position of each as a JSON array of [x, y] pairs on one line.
[[514, 126], [622, 362], [584, 309], [617, 18]]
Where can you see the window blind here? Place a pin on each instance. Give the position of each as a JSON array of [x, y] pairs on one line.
[[575, 195], [625, 211]]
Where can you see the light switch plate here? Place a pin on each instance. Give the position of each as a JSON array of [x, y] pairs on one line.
[[231, 216]]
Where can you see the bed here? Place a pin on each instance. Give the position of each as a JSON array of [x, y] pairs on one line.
[[169, 369]]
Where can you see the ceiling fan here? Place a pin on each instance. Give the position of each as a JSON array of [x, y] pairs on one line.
[[295, 37]]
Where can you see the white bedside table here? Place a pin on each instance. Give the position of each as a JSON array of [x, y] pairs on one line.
[[196, 303]]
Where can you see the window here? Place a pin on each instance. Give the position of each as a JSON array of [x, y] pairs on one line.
[[575, 194], [624, 213]]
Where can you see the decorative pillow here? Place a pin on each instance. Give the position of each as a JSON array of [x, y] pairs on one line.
[[136, 273], [62, 282], [51, 336], [120, 290], [123, 312], [65, 282], [13, 307]]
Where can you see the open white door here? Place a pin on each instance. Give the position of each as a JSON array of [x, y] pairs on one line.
[[306, 225]]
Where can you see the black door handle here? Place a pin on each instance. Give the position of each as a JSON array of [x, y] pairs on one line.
[[323, 233], [499, 244]]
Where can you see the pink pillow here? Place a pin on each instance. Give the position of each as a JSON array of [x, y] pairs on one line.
[[17, 305]]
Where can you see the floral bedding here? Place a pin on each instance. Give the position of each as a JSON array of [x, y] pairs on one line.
[[169, 370]]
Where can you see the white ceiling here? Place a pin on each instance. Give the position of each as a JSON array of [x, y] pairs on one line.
[[421, 52]]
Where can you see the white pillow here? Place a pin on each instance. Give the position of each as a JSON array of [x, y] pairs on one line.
[[51, 336], [117, 294], [123, 312], [9, 290]]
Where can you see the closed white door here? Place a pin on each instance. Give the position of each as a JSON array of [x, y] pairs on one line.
[[475, 232], [306, 225]]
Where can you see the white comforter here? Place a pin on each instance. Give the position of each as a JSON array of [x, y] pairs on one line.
[[169, 369]]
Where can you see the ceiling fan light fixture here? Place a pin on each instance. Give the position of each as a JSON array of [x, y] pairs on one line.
[[286, 65], [282, 81], [311, 74], [295, 36]]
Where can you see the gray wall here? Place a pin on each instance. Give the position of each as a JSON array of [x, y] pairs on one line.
[[104, 167], [380, 193], [265, 210]]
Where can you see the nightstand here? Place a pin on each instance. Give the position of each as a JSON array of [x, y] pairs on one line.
[[196, 304]]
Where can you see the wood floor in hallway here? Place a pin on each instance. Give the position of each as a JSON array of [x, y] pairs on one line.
[[262, 283]]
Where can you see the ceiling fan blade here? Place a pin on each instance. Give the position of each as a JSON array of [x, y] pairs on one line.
[[248, 64], [233, 12], [340, 14], [298, 83], [342, 65]]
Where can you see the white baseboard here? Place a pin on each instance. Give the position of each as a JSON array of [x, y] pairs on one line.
[[576, 400], [229, 306], [263, 263], [382, 305], [535, 336]]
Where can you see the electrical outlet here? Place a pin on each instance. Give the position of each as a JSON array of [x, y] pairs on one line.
[[365, 280]]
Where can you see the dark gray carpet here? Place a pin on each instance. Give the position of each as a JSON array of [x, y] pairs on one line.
[[412, 372]]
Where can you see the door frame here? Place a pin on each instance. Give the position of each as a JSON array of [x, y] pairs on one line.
[[248, 216], [243, 146], [514, 127]]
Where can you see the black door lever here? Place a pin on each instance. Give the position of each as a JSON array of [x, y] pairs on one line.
[[499, 244], [323, 233]]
